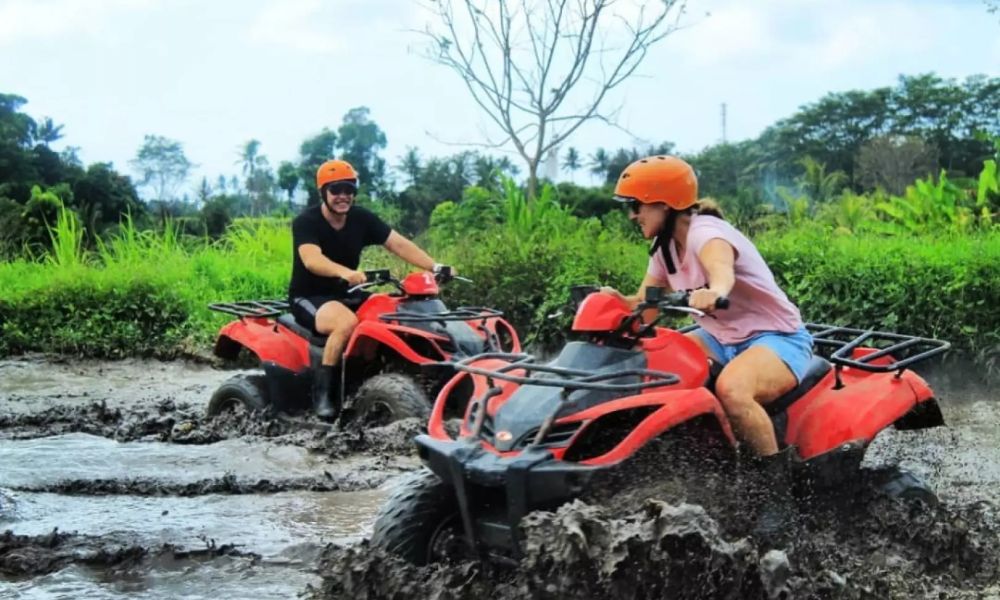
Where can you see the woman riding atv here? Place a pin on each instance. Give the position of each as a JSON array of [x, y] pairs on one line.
[[760, 340]]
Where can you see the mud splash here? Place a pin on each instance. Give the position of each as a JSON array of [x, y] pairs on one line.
[[891, 550]]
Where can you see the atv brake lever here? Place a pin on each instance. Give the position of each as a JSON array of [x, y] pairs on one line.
[[685, 309], [362, 286]]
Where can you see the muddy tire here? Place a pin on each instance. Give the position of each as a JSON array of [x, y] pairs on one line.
[[242, 392], [389, 397], [903, 485], [420, 521]]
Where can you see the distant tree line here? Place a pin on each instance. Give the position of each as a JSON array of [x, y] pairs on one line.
[[857, 140]]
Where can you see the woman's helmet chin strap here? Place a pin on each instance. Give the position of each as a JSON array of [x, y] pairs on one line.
[[662, 240]]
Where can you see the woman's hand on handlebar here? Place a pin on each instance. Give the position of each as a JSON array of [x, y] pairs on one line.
[[705, 300]]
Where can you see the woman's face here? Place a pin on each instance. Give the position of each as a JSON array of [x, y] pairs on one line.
[[649, 217]]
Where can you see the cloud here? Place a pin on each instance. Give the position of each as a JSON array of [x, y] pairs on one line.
[[23, 20], [299, 25]]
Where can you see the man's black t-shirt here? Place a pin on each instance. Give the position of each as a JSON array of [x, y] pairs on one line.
[[362, 228]]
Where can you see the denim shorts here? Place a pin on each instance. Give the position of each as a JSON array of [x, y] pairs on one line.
[[794, 349]]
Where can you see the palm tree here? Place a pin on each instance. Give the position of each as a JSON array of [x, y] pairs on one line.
[[48, 131], [599, 163], [572, 162]]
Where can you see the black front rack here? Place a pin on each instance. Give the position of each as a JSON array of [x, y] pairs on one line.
[[462, 313], [838, 344], [570, 380], [252, 308]]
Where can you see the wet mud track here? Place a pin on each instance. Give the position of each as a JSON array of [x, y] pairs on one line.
[[114, 484]]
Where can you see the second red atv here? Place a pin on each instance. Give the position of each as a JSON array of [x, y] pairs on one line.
[[397, 357], [536, 435]]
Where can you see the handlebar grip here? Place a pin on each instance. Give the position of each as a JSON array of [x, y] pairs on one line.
[[722, 303]]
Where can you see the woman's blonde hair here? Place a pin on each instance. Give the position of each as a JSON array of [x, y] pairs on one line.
[[708, 206]]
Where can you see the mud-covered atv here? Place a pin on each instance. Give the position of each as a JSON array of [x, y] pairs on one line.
[[537, 435], [397, 358]]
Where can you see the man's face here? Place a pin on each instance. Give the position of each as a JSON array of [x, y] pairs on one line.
[[340, 196]]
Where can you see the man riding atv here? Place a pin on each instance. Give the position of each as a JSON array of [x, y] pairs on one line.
[[327, 241], [760, 340]]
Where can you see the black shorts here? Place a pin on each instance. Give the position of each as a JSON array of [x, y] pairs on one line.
[[304, 308]]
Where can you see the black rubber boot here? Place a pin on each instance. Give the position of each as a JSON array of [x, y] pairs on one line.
[[775, 503], [325, 386]]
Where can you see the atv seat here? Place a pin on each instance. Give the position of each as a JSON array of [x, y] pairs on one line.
[[818, 368], [287, 320]]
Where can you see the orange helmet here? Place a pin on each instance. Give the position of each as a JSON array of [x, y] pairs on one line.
[[335, 170], [653, 179]]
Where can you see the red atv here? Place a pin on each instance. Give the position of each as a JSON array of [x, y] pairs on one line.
[[537, 435], [398, 356]]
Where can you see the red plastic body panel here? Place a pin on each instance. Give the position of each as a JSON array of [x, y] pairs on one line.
[[600, 312], [867, 403], [378, 304], [676, 353], [420, 284], [270, 341]]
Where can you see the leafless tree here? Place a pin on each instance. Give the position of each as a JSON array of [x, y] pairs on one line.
[[542, 68], [893, 162]]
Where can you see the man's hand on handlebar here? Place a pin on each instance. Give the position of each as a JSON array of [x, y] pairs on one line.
[[354, 278]]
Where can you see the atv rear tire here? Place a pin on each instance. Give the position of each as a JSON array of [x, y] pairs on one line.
[[241, 392], [389, 397], [903, 485], [420, 521]]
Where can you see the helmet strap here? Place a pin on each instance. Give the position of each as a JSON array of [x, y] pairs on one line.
[[662, 240]]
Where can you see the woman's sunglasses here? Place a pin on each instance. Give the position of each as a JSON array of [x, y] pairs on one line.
[[632, 206]]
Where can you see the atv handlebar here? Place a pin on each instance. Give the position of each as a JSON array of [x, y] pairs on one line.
[[657, 297], [383, 276]]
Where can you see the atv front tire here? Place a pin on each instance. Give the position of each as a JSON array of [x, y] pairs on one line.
[[241, 392], [420, 521], [389, 397]]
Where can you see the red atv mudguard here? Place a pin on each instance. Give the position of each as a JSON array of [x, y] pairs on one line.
[[271, 341]]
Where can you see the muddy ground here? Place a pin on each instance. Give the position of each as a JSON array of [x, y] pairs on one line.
[[113, 484]]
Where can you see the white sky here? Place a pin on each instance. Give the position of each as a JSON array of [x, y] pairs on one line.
[[214, 74]]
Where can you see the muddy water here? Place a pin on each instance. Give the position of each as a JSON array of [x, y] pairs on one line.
[[113, 484], [151, 500]]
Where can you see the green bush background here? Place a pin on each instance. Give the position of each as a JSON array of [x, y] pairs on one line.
[[146, 293]]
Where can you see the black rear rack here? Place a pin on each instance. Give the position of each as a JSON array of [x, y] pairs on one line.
[[462, 313], [837, 344], [570, 380], [252, 308]]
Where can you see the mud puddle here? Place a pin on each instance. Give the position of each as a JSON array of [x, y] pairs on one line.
[[114, 484]]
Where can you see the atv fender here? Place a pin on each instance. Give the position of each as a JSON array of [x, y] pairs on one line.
[[271, 342], [678, 406], [382, 333], [828, 417]]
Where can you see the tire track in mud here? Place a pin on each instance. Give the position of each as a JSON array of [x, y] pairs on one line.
[[31, 556], [229, 485]]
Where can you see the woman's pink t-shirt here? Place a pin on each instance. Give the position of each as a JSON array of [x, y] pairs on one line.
[[756, 303]]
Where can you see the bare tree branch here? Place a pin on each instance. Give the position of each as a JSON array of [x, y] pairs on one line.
[[540, 69]]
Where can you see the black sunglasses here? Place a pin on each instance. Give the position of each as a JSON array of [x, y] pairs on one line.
[[632, 206], [342, 189]]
